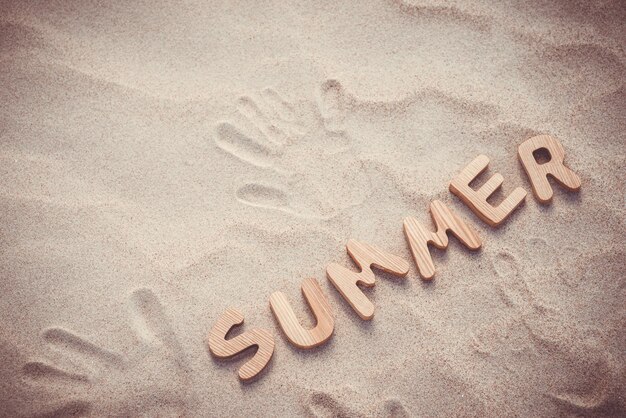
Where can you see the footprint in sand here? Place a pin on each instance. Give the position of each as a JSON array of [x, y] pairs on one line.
[[299, 149], [109, 383]]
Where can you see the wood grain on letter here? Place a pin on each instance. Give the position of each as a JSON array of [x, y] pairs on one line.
[[419, 236], [477, 199], [365, 256], [538, 173], [298, 335], [223, 348]]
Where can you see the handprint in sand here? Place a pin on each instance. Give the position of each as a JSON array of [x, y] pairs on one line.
[[96, 381], [542, 332], [317, 158], [298, 150]]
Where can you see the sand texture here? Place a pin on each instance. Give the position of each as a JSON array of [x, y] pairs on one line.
[[164, 161]]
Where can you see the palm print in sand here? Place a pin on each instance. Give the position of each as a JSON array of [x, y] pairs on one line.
[[534, 329], [293, 145], [93, 380], [297, 148]]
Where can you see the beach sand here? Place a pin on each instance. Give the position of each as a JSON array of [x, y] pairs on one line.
[[162, 162]]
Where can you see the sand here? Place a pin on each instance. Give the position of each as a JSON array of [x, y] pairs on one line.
[[161, 162]]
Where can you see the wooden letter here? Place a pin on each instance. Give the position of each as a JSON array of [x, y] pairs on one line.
[[419, 236], [223, 348], [477, 199], [538, 173], [365, 256], [299, 336]]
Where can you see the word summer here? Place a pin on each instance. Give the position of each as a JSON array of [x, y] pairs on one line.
[[418, 238]]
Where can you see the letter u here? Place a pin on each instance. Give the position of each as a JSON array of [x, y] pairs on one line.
[[298, 335]]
